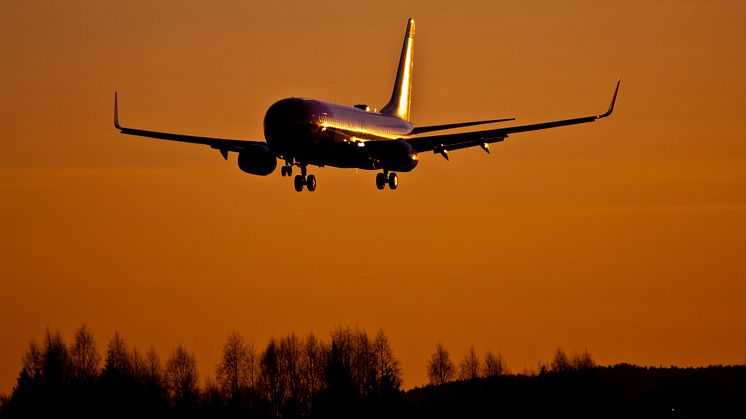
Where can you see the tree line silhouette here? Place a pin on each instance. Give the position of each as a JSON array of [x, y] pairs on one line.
[[441, 370], [352, 374], [292, 377]]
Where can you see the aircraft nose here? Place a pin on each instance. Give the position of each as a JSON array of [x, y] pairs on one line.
[[285, 119]]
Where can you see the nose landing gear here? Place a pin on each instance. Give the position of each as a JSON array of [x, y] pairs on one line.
[[386, 178]]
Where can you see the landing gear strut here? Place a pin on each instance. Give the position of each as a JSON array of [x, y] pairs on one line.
[[301, 180], [386, 178]]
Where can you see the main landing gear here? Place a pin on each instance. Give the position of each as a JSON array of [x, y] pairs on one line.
[[301, 180], [386, 178]]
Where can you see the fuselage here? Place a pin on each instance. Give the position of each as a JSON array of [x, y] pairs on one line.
[[323, 133]]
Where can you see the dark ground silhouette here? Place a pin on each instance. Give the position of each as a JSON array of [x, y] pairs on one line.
[[352, 375], [619, 391]]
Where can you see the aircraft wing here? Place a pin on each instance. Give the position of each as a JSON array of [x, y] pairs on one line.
[[221, 144], [420, 130], [446, 142]]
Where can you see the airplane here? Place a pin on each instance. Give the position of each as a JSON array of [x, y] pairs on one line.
[[308, 132]]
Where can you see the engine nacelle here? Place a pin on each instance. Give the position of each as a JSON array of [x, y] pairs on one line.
[[257, 159], [398, 156]]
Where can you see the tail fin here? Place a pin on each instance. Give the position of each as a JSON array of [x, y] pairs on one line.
[[401, 97]]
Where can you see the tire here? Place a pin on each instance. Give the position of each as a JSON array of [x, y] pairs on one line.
[[298, 183], [311, 183], [380, 181], [393, 181]]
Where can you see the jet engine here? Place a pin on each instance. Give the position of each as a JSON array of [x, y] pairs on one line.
[[257, 159], [398, 156]]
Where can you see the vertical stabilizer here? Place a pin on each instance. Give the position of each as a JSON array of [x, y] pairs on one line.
[[401, 97]]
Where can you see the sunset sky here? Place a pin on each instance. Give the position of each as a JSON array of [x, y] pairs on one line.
[[626, 236]]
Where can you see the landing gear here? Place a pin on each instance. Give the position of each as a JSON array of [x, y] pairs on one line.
[[380, 181], [311, 183], [299, 183], [386, 178], [301, 180], [393, 181], [286, 170]]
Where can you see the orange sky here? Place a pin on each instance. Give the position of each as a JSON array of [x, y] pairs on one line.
[[625, 236]]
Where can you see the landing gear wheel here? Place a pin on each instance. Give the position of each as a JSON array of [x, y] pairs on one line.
[[299, 182], [283, 171], [380, 181], [311, 183], [393, 181]]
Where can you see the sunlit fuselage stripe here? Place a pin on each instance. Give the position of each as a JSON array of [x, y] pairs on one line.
[[361, 124]]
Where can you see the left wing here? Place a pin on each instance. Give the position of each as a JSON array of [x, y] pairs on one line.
[[446, 142], [221, 144]]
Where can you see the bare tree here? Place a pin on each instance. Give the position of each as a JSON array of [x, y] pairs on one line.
[[33, 360], [560, 362], [315, 353], [470, 367], [388, 372], [583, 360], [354, 357], [543, 368], [235, 371], [495, 365], [313, 366], [138, 365], [56, 366], [49, 362], [152, 368], [181, 377], [271, 385], [118, 362], [440, 368], [84, 357], [290, 352], [363, 363]]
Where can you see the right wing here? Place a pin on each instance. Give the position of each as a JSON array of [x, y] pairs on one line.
[[221, 144], [446, 142], [420, 130]]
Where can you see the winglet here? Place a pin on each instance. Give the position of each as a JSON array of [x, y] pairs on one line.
[[613, 101], [116, 112]]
